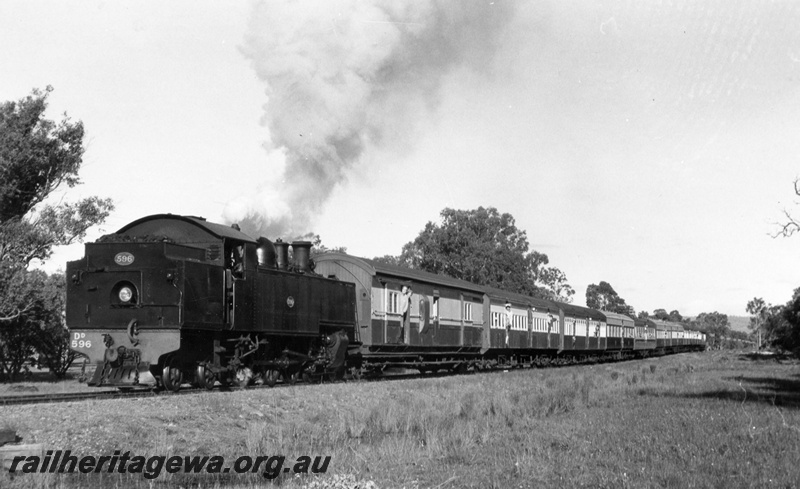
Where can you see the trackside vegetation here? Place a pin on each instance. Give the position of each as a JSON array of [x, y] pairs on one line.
[[713, 419]]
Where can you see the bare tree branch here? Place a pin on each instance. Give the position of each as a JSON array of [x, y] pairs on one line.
[[791, 225]]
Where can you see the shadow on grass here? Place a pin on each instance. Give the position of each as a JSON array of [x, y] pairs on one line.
[[784, 393], [763, 357]]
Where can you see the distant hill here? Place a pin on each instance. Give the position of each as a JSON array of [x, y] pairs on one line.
[[740, 323]]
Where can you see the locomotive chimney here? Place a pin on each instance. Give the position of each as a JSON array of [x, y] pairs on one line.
[[301, 251], [282, 254], [266, 253]]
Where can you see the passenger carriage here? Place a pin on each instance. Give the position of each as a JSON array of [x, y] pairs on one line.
[[584, 329], [535, 323], [644, 336], [620, 331], [446, 318]]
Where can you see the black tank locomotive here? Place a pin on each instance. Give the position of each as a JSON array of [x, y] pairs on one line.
[[170, 299]]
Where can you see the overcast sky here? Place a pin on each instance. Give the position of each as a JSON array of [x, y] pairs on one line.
[[652, 145]]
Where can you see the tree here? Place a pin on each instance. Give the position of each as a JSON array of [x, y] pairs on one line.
[[661, 314], [675, 316], [554, 281], [484, 247], [788, 337], [760, 313], [715, 325], [18, 336], [603, 296], [53, 342], [792, 224], [38, 156], [317, 248], [388, 260], [778, 324]]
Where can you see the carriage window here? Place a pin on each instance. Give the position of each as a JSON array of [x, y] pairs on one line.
[[435, 308], [467, 311], [394, 300]]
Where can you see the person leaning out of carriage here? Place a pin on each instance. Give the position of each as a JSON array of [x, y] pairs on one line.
[[508, 319], [405, 313]]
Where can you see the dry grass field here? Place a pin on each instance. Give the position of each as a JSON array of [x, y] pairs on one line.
[[715, 419]]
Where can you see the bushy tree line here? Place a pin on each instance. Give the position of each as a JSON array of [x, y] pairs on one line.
[[663, 315], [485, 247], [37, 157], [603, 296], [37, 336], [779, 325], [714, 325]]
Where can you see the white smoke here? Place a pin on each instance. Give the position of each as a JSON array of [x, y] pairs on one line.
[[342, 76]]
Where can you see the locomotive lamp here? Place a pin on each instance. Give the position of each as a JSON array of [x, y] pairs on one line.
[[125, 294]]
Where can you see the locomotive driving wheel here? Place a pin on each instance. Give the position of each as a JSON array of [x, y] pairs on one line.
[[204, 377], [291, 376], [271, 377], [171, 376]]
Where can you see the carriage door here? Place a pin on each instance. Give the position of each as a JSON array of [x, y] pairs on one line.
[[364, 308], [435, 312], [530, 326]]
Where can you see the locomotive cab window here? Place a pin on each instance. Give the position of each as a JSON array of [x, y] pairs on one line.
[[234, 258]]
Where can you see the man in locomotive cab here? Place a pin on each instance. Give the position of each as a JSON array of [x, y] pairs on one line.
[[235, 256]]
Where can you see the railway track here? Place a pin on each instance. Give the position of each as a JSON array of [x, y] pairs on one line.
[[70, 397], [392, 374], [152, 392]]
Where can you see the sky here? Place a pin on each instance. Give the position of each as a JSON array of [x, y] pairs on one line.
[[651, 145]]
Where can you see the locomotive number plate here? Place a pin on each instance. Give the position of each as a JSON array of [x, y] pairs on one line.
[[123, 258]]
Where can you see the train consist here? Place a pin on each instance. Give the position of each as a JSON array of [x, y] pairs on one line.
[[169, 300]]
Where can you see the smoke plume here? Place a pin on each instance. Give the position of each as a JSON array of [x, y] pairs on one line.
[[343, 76]]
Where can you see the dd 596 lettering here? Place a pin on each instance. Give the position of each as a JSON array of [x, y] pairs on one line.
[[78, 341]]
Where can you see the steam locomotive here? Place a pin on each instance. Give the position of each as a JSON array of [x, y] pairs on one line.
[[168, 299], [171, 299]]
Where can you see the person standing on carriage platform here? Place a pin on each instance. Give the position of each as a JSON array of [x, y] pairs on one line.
[[405, 314], [509, 319]]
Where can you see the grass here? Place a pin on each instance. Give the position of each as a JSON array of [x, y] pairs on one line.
[[715, 419], [41, 381]]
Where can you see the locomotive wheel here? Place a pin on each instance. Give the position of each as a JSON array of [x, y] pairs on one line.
[[171, 377], [290, 377], [205, 377], [338, 374], [271, 377], [244, 376], [355, 373]]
